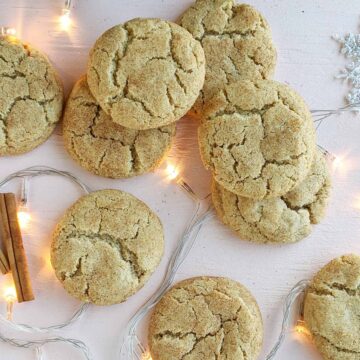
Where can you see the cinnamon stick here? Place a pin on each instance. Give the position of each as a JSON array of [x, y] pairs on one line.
[[11, 234], [4, 265], [4, 231]]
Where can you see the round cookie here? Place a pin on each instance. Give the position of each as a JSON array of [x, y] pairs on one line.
[[106, 246], [107, 149], [237, 42], [206, 318], [146, 73], [31, 97], [285, 219], [332, 309], [258, 138]]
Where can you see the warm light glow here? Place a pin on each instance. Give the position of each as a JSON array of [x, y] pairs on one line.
[[65, 21], [10, 31], [172, 172], [146, 356], [6, 31], [10, 297], [24, 218], [338, 162], [342, 165], [10, 294], [300, 328]]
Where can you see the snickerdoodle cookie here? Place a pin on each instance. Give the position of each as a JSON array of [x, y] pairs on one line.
[[285, 219], [206, 318], [332, 309], [146, 73], [106, 246], [106, 148], [31, 97], [258, 138], [237, 43]]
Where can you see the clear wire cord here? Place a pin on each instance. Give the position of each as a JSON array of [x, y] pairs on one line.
[[132, 347], [38, 344], [290, 300], [35, 171], [79, 313], [320, 115]]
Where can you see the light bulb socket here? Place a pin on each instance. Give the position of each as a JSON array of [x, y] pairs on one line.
[[67, 5], [24, 194], [9, 309], [328, 155], [66, 12], [184, 185]]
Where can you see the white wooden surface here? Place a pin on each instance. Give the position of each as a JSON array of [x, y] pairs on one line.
[[308, 60]]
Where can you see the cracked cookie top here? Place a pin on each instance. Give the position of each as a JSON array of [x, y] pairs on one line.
[[285, 219], [106, 246], [206, 318], [258, 138], [106, 148], [332, 309], [146, 73], [31, 97], [237, 43]]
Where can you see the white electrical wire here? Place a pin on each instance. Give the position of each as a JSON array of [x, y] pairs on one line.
[[290, 300], [26, 175], [35, 171], [37, 345], [30, 329], [323, 114], [320, 115], [132, 348]]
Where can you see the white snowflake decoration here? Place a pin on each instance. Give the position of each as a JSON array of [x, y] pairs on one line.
[[350, 47]]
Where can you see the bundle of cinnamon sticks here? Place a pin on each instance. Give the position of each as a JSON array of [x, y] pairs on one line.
[[12, 253]]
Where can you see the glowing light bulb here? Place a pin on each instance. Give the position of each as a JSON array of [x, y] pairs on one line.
[[7, 31], [24, 218], [338, 162], [65, 21], [172, 172], [10, 294], [300, 328], [146, 356], [11, 31], [10, 298]]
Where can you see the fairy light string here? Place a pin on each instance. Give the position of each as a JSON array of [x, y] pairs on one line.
[[37, 345], [295, 293], [320, 115], [132, 347], [26, 176]]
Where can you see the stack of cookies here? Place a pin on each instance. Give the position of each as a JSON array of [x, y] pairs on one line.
[[142, 77], [256, 135]]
